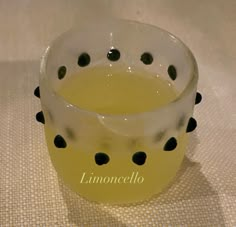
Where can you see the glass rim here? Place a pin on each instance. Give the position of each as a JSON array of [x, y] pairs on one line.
[[187, 89]]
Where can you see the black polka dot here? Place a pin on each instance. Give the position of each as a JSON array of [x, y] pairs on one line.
[[159, 136], [181, 122], [192, 124], [40, 117], [70, 133], [139, 158], [113, 55], [171, 144], [84, 60], [198, 98], [146, 58], [60, 142], [37, 92], [172, 72], [61, 72], [101, 158]]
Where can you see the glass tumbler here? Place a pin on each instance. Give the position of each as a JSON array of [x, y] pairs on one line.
[[117, 158]]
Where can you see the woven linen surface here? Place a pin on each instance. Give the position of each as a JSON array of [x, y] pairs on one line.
[[204, 190]]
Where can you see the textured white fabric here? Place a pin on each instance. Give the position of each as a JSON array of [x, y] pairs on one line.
[[203, 193]]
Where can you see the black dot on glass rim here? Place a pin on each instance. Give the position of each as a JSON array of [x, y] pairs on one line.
[[171, 144], [192, 124], [113, 55], [37, 92], [61, 72], [70, 133], [101, 158], [59, 142], [172, 72], [139, 158], [146, 58], [40, 117], [198, 98], [84, 59]]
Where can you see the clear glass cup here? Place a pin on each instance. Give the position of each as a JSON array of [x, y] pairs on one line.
[[121, 158]]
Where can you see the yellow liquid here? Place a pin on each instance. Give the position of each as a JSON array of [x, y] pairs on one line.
[[116, 91]]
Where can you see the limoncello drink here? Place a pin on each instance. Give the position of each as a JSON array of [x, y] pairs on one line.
[[116, 90]]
